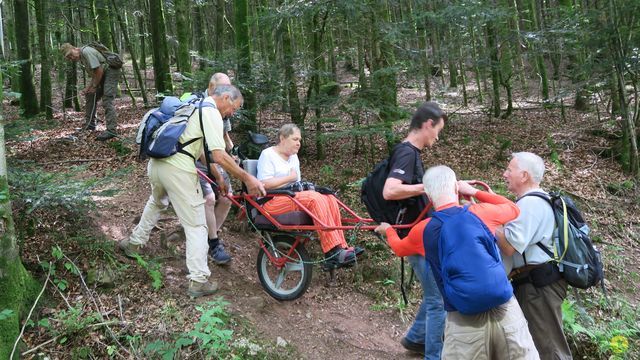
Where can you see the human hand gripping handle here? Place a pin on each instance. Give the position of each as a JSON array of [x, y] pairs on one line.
[[255, 186], [465, 189]]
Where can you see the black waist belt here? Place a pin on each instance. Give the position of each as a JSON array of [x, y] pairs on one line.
[[538, 275]]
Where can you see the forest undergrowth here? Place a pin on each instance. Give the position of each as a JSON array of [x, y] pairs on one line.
[[73, 198]]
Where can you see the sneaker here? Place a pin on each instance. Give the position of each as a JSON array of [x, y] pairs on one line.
[[219, 255], [129, 249], [105, 135], [412, 346], [197, 289]]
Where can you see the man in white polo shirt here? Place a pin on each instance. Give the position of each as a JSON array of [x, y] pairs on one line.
[[537, 282]]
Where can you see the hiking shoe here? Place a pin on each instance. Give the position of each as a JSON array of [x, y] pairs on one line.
[[197, 289], [130, 250], [219, 255], [412, 346], [337, 258], [105, 135]]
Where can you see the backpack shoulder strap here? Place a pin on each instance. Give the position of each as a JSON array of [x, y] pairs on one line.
[[547, 198]]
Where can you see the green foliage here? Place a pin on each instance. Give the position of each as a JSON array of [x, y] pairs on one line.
[[153, 269], [209, 335], [503, 145], [120, 148], [555, 158], [33, 190], [612, 338], [6, 313]]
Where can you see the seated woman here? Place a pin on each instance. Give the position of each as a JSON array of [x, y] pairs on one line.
[[278, 166]]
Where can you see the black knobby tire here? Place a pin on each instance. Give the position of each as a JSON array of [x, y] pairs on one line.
[[290, 282]]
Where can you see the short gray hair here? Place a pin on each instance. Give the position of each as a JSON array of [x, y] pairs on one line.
[[531, 163], [287, 130], [439, 180], [218, 77], [232, 91]]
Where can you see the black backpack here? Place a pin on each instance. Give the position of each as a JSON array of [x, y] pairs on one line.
[[113, 60], [379, 209], [579, 261]]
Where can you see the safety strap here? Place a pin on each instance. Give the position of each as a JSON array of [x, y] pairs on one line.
[[207, 154]]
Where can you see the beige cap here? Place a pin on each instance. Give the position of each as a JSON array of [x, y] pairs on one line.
[[66, 49]]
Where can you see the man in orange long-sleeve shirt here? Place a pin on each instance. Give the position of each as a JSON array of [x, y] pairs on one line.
[[468, 336]]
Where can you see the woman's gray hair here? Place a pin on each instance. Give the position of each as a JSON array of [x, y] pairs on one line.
[[287, 130], [439, 180], [531, 163]]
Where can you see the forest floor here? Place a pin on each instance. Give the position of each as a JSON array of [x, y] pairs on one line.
[[361, 318]]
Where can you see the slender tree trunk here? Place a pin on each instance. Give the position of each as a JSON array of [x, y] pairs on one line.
[[290, 78], [162, 72], [140, 17], [134, 62], [15, 282], [542, 68], [183, 31], [71, 83], [45, 62], [476, 67], [28, 99], [102, 22], [243, 49], [219, 45], [495, 67]]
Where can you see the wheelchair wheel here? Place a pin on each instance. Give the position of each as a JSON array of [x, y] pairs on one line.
[[291, 280]]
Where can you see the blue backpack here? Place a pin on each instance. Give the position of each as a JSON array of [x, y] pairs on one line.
[[161, 128], [473, 277]]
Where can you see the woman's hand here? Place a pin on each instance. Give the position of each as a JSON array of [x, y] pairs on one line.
[[382, 228], [293, 176]]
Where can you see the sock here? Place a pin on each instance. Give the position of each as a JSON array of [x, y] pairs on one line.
[[213, 243]]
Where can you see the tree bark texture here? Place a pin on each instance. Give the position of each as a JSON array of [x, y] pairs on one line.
[[162, 72], [28, 99]]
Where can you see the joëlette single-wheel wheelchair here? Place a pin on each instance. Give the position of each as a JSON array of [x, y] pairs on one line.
[[283, 264]]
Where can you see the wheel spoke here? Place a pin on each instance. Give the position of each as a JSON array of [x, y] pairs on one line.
[[280, 278], [293, 266]]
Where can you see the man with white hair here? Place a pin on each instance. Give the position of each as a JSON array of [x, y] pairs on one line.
[[175, 179], [498, 331], [538, 284]]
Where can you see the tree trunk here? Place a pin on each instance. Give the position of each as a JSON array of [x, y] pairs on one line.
[[28, 99], [15, 282], [492, 44], [162, 72], [384, 74], [102, 22], [290, 78], [71, 83], [183, 31], [45, 61], [134, 62], [540, 64], [219, 44], [140, 16], [244, 64]]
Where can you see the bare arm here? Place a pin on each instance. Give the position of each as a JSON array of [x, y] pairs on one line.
[[276, 182], [98, 73], [503, 244], [228, 142], [394, 189]]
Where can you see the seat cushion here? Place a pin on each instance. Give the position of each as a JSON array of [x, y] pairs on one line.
[[291, 218]]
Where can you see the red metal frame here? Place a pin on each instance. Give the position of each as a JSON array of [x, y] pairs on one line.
[[318, 224]]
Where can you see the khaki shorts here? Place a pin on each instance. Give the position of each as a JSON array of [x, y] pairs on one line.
[[500, 333]]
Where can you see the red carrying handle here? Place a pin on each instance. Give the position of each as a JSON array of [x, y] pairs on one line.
[[480, 184]]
